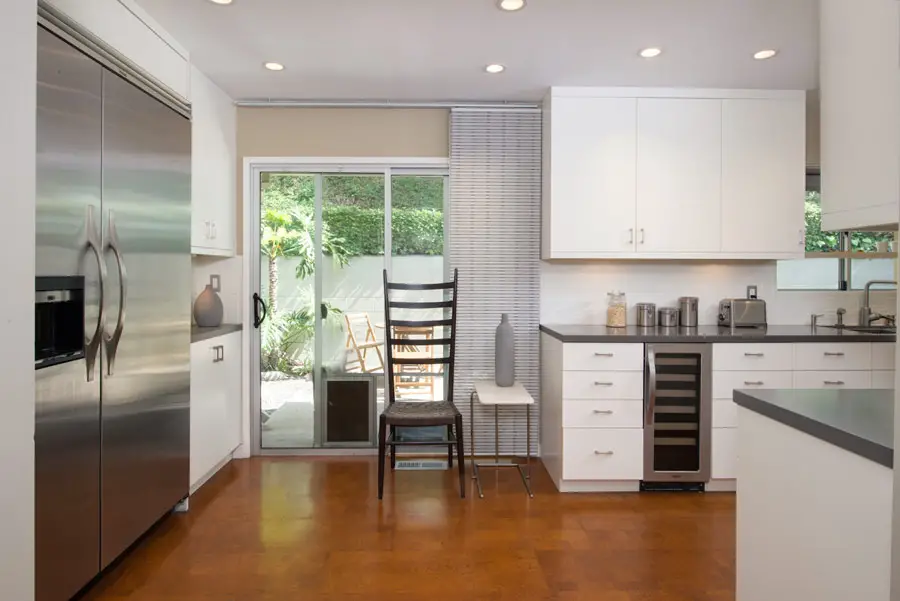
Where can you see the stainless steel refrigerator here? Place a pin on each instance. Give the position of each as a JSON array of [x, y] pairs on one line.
[[113, 255]]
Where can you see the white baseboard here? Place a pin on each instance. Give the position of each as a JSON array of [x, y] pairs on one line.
[[599, 486], [210, 474], [722, 485]]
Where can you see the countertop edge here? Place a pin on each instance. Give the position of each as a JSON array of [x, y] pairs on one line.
[[199, 334], [840, 438], [721, 338]]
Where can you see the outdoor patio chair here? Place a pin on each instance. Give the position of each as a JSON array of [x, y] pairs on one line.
[[420, 413], [358, 351]]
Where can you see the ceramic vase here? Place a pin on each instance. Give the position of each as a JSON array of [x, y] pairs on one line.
[[505, 353], [208, 308]]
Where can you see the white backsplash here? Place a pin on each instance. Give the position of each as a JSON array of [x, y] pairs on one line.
[[229, 270], [575, 292]]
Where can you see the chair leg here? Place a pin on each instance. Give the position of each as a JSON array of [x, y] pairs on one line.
[[460, 456], [449, 448], [382, 439], [393, 448]]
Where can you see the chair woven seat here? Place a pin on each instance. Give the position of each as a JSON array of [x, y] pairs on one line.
[[426, 413]]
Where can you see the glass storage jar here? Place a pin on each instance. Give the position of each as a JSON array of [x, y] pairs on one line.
[[616, 310]]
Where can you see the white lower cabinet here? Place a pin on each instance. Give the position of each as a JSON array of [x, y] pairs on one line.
[[832, 379], [603, 414], [603, 454], [215, 404], [883, 379], [724, 453]]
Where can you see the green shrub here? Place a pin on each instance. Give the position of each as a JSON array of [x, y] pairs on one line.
[[413, 231]]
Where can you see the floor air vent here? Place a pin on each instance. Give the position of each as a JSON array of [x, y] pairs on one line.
[[420, 464]]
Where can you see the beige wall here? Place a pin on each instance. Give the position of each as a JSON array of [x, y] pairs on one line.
[[813, 140], [337, 132]]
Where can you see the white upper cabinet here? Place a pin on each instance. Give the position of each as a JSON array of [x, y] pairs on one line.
[[213, 164], [762, 187], [592, 175], [860, 113], [670, 173], [679, 175]]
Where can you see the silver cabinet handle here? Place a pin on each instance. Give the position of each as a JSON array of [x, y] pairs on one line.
[[112, 340], [827, 354], [208, 230], [641, 235], [92, 244], [603, 355], [596, 452], [603, 383], [603, 411], [833, 382], [754, 354], [758, 383], [215, 230], [631, 235], [219, 353], [800, 237]]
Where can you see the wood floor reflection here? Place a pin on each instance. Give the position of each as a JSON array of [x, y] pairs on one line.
[[280, 529]]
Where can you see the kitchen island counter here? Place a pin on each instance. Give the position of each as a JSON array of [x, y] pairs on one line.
[[773, 333]]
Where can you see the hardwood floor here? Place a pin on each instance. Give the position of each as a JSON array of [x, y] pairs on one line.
[[279, 529]]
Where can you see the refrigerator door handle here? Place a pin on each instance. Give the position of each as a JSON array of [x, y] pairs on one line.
[[92, 244], [651, 386], [112, 340]]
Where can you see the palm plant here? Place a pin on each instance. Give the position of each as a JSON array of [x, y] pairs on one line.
[[279, 238]]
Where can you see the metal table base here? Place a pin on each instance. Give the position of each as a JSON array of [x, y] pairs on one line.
[[525, 475]]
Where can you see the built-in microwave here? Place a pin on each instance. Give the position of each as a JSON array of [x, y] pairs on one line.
[[58, 320]]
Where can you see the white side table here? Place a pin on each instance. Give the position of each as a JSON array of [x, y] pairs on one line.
[[489, 393]]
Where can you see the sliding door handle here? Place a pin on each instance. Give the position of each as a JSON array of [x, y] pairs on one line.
[[259, 310]]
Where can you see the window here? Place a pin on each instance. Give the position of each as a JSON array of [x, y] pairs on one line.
[[835, 260]]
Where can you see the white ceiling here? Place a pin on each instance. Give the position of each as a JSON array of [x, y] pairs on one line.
[[421, 50]]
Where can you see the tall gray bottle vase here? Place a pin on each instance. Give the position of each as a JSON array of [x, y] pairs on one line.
[[208, 308], [505, 353]]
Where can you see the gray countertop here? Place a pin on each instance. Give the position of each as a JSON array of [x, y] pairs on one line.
[[199, 334], [593, 333], [858, 421]]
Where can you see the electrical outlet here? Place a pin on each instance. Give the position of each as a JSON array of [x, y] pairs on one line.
[[752, 291]]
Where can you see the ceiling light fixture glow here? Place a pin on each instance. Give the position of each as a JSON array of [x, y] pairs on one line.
[[511, 5], [274, 66], [764, 54], [223, 2], [495, 68], [650, 52]]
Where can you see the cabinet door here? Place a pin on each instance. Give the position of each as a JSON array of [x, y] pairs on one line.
[[679, 174], [231, 372], [763, 182], [592, 175], [207, 403]]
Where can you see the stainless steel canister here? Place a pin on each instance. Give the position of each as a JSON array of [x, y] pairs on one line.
[[687, 307], [668, 317], [646, 315]]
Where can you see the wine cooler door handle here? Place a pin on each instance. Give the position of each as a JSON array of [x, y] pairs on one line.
[[651, 386]]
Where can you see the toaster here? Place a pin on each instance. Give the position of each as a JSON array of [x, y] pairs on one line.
[[742, 312]]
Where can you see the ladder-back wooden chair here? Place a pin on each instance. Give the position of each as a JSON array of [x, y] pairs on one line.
[[420, 413]]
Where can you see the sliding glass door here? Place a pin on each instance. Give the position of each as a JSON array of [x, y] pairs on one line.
[[322, 237]]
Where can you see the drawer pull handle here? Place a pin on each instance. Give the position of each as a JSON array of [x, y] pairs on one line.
[[827, 354], [833, 382], [757, 383], [596, 452], [754, 354], [603, 411], [603, 383], [603, 354]]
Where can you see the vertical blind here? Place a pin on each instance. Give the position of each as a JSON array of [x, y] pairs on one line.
[[494, 240]]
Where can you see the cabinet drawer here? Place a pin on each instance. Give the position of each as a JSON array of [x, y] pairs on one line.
[[752, 357], [883, 379], [825, 356], [603, 414], [603, 385], [883, 355], [724, 414], [832, 379], [725, 382], [603, 357], [603, 454], [724, 453]]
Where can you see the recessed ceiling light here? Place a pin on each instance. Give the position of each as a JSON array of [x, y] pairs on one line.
[[764, 54], [650, 52], [511, 5], [221, 1], [495, 68], [274, 66]]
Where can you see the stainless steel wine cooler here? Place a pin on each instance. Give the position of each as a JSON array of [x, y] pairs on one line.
[[677, 414]]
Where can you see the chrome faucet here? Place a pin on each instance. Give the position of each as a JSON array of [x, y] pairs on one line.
[[866, 316]]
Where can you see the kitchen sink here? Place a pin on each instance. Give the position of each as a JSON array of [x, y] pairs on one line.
[[867, 329]]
